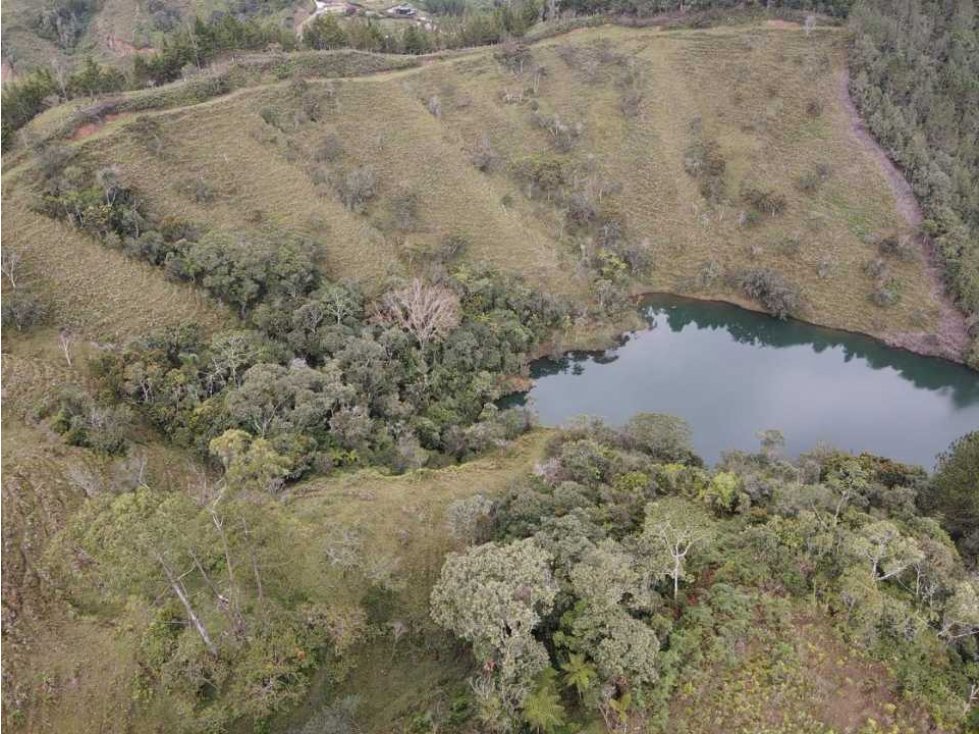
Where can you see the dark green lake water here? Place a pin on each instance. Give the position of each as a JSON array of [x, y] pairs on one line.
[[731, 372]]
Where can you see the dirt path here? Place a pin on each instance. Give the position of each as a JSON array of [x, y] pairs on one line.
[[951, 336], [907, 204]]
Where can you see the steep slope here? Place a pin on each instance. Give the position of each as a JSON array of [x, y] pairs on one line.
[[619, 115]]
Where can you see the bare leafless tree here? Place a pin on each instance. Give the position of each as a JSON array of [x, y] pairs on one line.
[[10, 260], [65, 341], [429, 312]]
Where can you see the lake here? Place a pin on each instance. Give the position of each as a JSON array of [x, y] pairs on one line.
[[731, 372]]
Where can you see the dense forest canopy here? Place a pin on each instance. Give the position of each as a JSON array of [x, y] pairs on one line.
[[915, 77]]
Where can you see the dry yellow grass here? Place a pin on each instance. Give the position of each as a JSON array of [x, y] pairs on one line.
[[99, 293]]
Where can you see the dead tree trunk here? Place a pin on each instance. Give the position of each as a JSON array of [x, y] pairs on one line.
[[178, 588]]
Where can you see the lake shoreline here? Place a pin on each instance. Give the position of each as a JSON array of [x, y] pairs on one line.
[[599, 338], [818, 384]]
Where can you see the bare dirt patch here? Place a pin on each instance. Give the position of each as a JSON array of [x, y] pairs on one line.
[[951, 338], [123, 48], [90, 128]]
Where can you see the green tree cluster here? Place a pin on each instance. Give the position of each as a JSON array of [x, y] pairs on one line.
[[623, 567]]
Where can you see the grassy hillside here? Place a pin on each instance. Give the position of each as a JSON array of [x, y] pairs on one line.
[[618, 114], [591, 165]]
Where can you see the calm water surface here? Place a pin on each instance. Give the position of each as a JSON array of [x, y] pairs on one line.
[[731, 372]]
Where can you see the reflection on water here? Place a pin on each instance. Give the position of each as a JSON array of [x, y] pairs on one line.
[[731, 372]]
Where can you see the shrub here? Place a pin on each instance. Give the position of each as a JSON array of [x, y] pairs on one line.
[[469, 519], [779, 297], [703, 160], [764, 201], [875, 267], [893, 245], [330, 149], [404, 211], [887, 292], [789, 245], [484, 157], [811, 181], [82, 422], [22, 310], [198, 189], [564, 135], [358, 187]]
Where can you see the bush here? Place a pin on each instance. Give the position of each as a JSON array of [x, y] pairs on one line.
[[105, 429], [22, 310], [887, 292], [779, 297], [703, 160], [358, 187], [764, 201], [901, 248]]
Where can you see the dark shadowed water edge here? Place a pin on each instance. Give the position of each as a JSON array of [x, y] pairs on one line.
[[731, 372]]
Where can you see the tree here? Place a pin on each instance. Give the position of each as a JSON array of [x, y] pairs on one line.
[[953, 492], [542, 709], [65, 341], [888, 551], [494, 592], [231, 353], [664, 437], [961, 618], [324, 32], [494, 596], [579, 674], [250, 463], [10, 260], [673, 527], [772, 442], [427, 312], [146, 538]]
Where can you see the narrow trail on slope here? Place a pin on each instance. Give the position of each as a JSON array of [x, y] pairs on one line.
[[951, 337]]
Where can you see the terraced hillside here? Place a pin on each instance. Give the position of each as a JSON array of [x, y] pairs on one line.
[[524, 153]]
